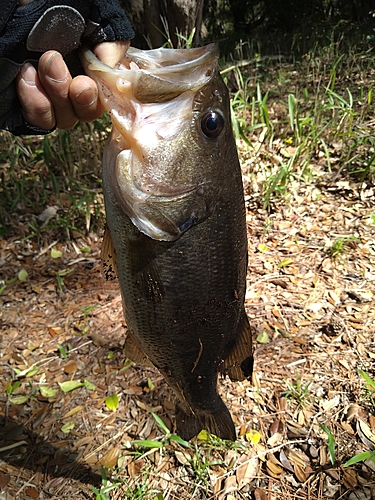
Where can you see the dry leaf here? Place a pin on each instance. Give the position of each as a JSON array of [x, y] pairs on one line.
[[328, 405], [276, 427], [73, 411], [355, 411], [247, 471], [349, 478], [300, 473], [260, 494], [273, 469], [110, 458], [4, 480], [70, 366], [285, 462], [275, 439], [365, 433], [183, 458], [230, 485], [32, 492]]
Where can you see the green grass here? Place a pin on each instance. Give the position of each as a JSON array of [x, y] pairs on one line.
[[62, 170], [298, 392], [341, 245], [315, 111]]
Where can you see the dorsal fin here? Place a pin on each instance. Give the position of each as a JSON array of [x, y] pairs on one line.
[[108, 256]]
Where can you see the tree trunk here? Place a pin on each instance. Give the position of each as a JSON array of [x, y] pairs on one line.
[[157, 22]]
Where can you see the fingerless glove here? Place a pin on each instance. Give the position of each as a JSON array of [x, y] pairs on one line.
[[28, 31]]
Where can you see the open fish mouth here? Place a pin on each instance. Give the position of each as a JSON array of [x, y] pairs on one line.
[[152, 99]]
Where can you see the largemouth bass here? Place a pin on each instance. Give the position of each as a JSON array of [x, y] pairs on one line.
[[176, 225]]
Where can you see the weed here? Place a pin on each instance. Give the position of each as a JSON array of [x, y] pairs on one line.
[[340, 245], [370, 394], [298, 392], [370, 387], [63, 351], [331, 443], [360, 457]]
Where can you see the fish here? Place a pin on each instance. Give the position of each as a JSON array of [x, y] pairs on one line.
[[176, 228]]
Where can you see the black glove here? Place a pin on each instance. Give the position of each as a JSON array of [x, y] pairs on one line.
[[27, 32]]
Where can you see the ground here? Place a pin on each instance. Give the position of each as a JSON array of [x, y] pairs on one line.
[[308, 409]]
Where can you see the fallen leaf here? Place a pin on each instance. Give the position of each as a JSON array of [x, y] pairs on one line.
[[22, 275], [365, 433], [253, 436], [56, 254], [263, 338], [247, 471], [274, 470], [70, 366], [70, 385], [285, 462], [32, 492], [112, 402], [47, 392], [4, 480], [183, 458], [73, 411], [260, 494], [110, 458], [66, 428], [18, 400], [48, 214]]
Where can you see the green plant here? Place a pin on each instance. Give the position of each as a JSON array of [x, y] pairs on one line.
[[370, 389], [163, 440], [298, 392], [340, 245], [360, 457], [106, 487], [331, 443], [64, 352]]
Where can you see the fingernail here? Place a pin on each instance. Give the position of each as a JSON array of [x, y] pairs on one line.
[[28, 73], [56, 68], [87, 96]]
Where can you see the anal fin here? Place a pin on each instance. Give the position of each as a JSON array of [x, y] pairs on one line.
[[134, 353], [239, 364]]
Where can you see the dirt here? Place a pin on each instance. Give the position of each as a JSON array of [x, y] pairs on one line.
[[312, 308]]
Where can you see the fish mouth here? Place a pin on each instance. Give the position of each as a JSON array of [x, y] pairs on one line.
[[150, 96]]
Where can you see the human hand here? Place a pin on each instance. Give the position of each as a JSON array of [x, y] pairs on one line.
[[51, 97]]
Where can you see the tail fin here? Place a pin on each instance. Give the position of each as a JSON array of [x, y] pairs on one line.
[[219, 423]]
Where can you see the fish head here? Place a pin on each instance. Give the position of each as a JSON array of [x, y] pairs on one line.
[[167, 155]]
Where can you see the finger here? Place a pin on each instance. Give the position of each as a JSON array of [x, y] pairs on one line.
[[111, 53], [55, 78], [37, 109], [83, 94]]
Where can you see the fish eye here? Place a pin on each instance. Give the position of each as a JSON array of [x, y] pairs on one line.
[[212, 124]]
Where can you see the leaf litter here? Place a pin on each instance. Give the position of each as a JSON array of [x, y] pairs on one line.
[[71, 403]]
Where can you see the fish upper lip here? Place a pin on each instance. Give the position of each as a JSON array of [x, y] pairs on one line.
[[152, 61]]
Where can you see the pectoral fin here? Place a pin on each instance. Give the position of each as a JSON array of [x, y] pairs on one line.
[[145, 268], [239, 364]]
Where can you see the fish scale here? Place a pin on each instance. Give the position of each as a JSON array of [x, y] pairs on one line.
[[181, 260]]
